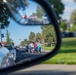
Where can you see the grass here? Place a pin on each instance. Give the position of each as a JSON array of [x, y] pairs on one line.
[[40, 19], [67, 53], [47, 48]]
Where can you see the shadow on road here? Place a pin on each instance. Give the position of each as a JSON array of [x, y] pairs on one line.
[[24, 56]]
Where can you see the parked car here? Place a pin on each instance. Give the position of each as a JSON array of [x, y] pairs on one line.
[[45, 19], [11, 50], [6, 59], [68, 34]]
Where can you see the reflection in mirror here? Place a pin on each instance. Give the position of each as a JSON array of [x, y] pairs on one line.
[[20, 43], [27, 12], [25, 43]]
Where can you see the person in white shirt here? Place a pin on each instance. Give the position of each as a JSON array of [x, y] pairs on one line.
[[31, 47]]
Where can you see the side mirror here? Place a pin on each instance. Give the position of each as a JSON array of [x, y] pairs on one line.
[[34, 35]]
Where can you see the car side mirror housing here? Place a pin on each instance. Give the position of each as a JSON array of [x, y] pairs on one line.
[[34, 28]]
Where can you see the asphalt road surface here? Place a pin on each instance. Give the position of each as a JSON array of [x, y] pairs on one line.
[[22, 55]]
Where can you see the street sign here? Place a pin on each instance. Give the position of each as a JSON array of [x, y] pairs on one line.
[[2, 35]]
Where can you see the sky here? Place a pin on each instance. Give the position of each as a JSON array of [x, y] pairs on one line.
[[18, 32], [31, 8], [70, 6]]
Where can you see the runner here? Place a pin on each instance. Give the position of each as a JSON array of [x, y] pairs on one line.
[[38, 47], [35, 47], [31, 47]]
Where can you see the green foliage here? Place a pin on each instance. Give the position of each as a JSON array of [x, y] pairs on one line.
[[58, 8], [67, 53], [73, 17], [38, 37], [4, 16], [48, 33], [34, 14], [63, 25], [73, 21], [24, 42], [8, 39], [47, 48], [32, 36], [16, 3], [40, 11], [74, 28]]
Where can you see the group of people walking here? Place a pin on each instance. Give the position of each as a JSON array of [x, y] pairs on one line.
[[33, 47]]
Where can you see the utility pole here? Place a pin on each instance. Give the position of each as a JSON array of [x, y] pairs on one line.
[[0, 33]]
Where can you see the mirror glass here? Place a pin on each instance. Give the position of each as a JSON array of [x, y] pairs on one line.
[[19, 43], [27, 12]]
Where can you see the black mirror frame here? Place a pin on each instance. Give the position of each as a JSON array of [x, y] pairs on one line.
[[46, 5]]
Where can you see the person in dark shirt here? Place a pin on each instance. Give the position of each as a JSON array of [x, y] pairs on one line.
[[0, 44]]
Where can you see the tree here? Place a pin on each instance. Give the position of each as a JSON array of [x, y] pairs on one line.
[[49, 34], [8, 39], [4, 16], [34, 14], [18, 3], [73, 20], [12, 42], [73, 28], [38, 37], [58, 8], [73, 17], [32, 36], [24, 42], [63, 25], [40, 11]]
